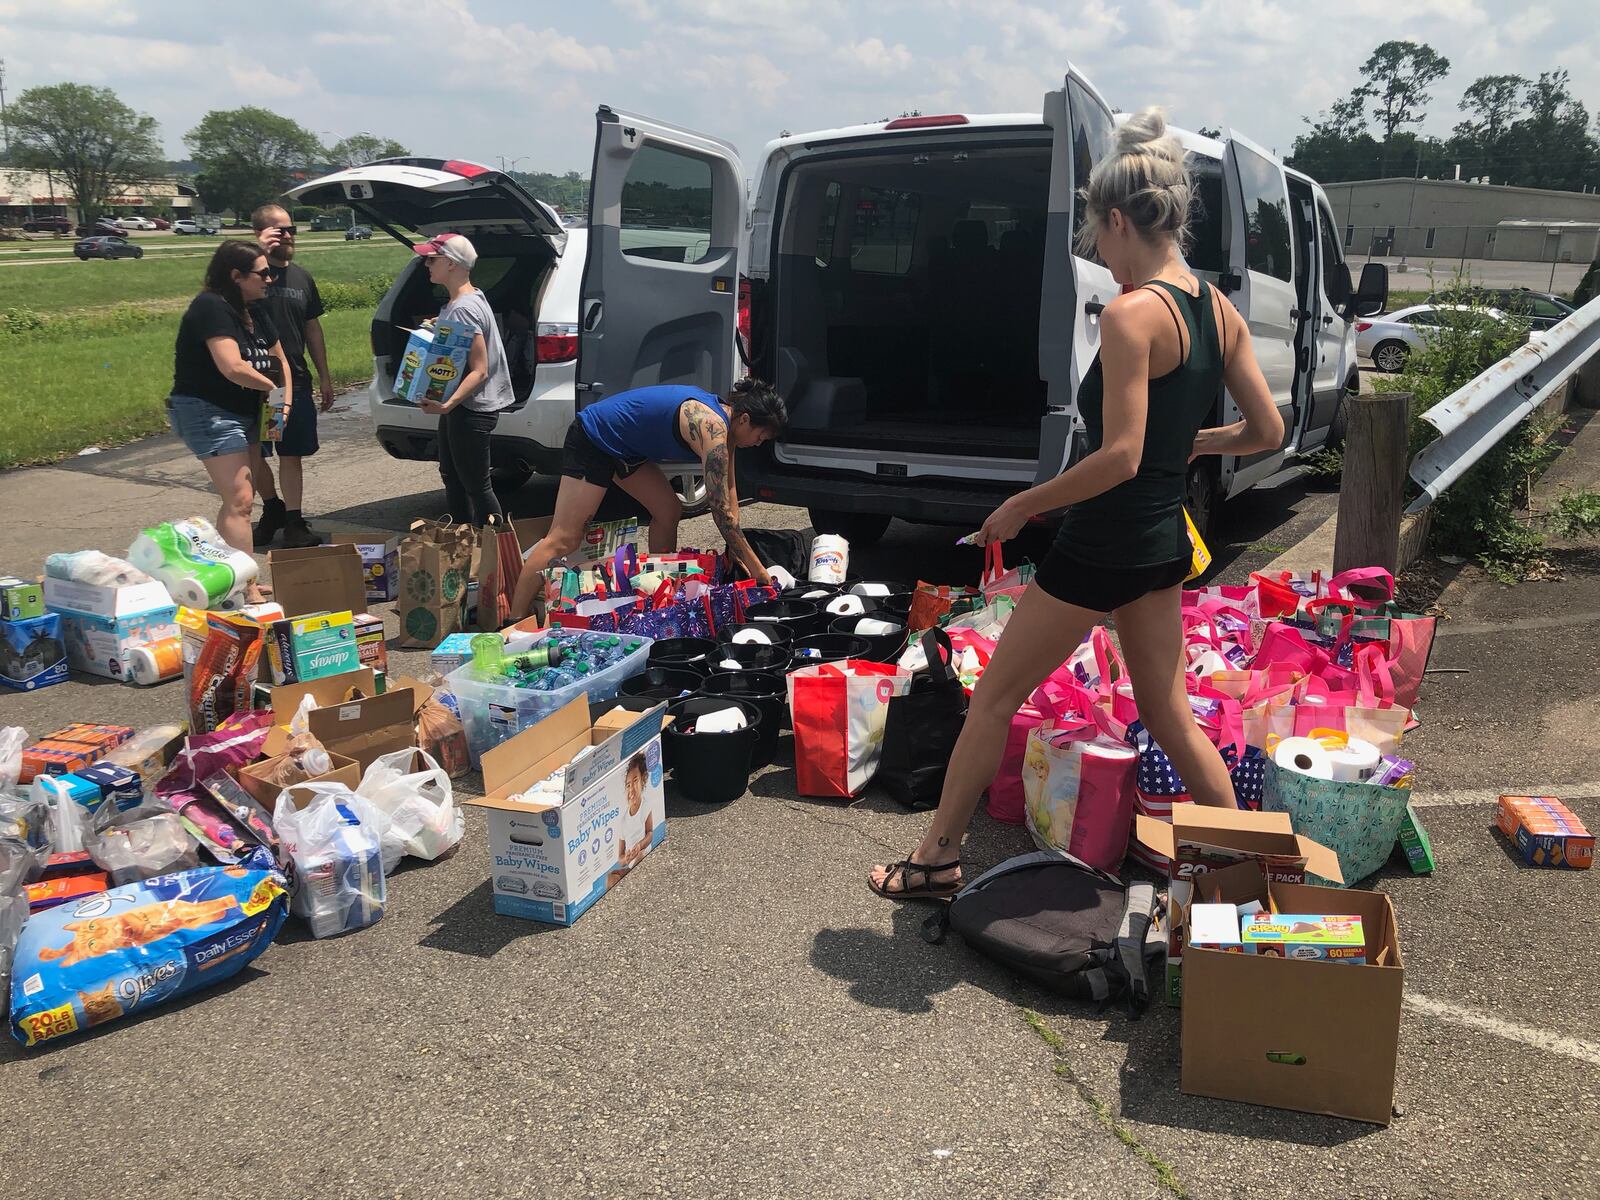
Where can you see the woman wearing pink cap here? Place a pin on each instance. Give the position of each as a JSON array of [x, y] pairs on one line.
[[468, 416]]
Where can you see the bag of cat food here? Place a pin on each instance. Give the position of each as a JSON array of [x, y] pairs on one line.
[[127, 949]]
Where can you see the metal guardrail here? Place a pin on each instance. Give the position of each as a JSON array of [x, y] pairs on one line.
[[1479, 413]]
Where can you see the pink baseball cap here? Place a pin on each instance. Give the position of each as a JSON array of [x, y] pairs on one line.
[[453, 246]]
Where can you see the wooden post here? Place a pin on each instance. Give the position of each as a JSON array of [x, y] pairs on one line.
[[1371, 491]]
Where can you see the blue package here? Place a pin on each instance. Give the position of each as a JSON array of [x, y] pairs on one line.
[[119, 787], [33, 654], [128, 949]]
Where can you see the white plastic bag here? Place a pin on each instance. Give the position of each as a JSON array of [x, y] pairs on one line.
[[68, 821], [12, 740], [139, 850], [334, 842], [417, 808]]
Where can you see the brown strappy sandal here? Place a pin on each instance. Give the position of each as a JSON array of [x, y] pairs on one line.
[[928, 890]]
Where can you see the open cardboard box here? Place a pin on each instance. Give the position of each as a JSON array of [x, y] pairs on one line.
[[1201, 839], [358, 729], [329, 690], [317, 579], [554, 854], [1314, 1036], [253, 778]]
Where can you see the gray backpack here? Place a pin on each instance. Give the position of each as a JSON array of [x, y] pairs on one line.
[[1063, 924]]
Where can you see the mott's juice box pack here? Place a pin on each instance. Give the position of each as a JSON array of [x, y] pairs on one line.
[[1547, 833], [1296, 935], [432, 364]]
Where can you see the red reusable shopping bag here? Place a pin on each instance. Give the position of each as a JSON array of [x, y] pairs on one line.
[[838, 710]]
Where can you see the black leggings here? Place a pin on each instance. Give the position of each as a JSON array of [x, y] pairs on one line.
[[464, 464]]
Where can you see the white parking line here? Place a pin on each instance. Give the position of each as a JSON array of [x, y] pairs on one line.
[[1458, 797], [1539, 1039]]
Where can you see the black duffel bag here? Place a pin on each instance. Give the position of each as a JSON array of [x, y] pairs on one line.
[[921, 727]]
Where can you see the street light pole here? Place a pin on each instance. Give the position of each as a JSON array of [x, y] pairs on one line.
[[1412, 207], [508, 169]]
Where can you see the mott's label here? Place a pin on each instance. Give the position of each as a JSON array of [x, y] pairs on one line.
[[1336, 938]]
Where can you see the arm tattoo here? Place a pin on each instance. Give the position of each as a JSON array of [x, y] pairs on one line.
[[725, 505]]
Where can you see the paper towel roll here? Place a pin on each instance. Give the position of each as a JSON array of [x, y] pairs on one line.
[[872, 627], [188, 591], [747, 637], [1305, 756], [846, 606], [1354, 761]]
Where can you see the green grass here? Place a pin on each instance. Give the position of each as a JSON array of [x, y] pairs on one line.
[[167, 279], [60, 394]]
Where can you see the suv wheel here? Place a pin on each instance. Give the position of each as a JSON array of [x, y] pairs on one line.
[[859, 529]]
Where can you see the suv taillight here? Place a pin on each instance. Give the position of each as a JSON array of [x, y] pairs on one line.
[[1363, 326], [555, 343]]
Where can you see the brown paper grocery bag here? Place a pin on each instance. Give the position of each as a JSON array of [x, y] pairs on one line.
[[499, 568], [435, 565]]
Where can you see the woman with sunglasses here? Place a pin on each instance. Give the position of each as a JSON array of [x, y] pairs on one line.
[[227, 359]]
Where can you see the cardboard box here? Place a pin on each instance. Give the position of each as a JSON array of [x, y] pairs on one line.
[[1201, 839], [1215, 926], [20, 599], [66, 877], [33, 652], [70, 749], [365, 729], [1546, 832], [253, 778], [371, 648], [1416, 843], [318, 579], [119, 787], [432, 363], [554, 853], [101, 624], [1291, 1033], [380, 561], [285, 702], [300, 649]]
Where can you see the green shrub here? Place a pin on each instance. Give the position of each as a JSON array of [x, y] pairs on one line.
[[19, 321], [1576, 514], [362, 292]]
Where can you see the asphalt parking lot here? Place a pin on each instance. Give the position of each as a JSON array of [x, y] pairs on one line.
[[743, 1018]]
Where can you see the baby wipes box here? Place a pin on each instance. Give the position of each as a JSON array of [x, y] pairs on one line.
[[432, 364], [573, 806], [101, 625]]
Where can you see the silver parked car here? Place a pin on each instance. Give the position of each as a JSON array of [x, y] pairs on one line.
[[1389, 338]]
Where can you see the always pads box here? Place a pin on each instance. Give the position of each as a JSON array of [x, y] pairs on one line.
[[1290, 1032], [432, 364], [380, 561], [572, 807], [33, 653], [1202, 839], [102, 624], [20, 599], [300, 649]]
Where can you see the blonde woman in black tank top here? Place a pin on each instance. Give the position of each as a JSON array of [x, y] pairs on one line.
[[1166, 345]]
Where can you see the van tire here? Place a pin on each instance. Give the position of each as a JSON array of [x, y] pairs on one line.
[[1201, 496], [859, 529]]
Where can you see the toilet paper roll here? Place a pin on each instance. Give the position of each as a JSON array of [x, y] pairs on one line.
[[746, 637], [870, 589], [723, 720], [1305, 756], [730, 664], [1207, 663], [846, 606], [189, 592], [1354, 761], [781, 576], [872, 627]]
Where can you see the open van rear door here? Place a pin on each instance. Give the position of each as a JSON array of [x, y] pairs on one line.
[[433, 195], [1075, 290], [1260, 282], [661, 284]]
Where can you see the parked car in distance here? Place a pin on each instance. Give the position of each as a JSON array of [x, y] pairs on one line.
[[1389, 338], [160, 222], [135, 223], [185, 227], [1541, 310], [55, 224], [358, 233], [107, 247]]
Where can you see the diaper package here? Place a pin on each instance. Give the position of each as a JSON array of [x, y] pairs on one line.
[[92, 960]]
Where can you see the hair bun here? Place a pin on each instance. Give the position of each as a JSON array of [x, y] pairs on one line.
[[1145, 132]]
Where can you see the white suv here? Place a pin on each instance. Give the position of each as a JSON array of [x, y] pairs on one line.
[[531, 267]]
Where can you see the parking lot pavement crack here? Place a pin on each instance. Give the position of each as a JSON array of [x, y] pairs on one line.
[[1164, 1173], [811, 813]]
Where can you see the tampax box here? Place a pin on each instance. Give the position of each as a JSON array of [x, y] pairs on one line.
[[1201, 839], [1296, 1033], [380, 561], [1546, 832], [557, 845], [33, 653], [20, 599], [300, 649], [101, 625]]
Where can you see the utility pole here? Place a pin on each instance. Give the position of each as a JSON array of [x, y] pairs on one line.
[[5, 125], [1412, 208]]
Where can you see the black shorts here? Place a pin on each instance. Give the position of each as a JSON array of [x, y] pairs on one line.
[[582, 459], [1104, 589]]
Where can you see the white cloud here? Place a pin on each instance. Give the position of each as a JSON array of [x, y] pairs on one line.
[[872, 55], [261, 84]]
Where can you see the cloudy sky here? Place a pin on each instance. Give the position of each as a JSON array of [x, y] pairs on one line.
[[482, 79]]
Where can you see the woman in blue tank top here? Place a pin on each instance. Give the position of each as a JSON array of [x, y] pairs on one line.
[[623, 438], [1167, 345]]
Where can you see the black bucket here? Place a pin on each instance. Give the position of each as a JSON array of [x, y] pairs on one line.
[[886, 647], [678, 652], [662, 683], [752, 657], [873, 603], [712, 768], [828, 647], [898, 603], [764, 689], [599, 708], [810, 593], [799, 617], [778, 634]]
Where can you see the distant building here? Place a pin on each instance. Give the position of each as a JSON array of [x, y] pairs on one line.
[[1449, 218], [25, 194]]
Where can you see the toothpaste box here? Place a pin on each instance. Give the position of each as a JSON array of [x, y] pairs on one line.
[[1330, 938], [20, 599], [573, 806], [33, 653], [1416, 843], [101, 625], [118, 787], [1546, 832], [432, 363], [452, 653], [300, 649]]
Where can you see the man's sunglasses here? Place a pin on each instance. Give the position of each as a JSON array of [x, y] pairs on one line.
[[290, 230]]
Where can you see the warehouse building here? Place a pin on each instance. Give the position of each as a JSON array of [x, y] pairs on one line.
[[27, 194], [1450, 218]]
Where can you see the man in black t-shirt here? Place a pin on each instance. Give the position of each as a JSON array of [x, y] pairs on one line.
[[295, 308]]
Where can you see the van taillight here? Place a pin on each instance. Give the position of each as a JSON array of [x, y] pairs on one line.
[[1363, 326], [555, 343]]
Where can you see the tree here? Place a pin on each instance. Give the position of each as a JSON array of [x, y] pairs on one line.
[[246, 156], [362, 148], [1398, 75], [1481, 143], [94, 141], [1210, 132], [1338, 146], [1552, 142]]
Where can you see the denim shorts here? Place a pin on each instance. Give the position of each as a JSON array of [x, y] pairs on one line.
[[208, 430]]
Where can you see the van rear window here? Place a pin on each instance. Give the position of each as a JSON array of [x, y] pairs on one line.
[[883, 231], [666, 206]]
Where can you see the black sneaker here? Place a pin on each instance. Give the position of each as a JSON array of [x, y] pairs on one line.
[[297, 534], [274, 517]]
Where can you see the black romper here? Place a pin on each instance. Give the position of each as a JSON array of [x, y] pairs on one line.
[[1130, 540]]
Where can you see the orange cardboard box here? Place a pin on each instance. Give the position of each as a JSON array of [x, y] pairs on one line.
[[1546, 832]]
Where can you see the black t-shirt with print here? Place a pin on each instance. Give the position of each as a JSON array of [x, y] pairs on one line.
[[194, 371], [292, 300]]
